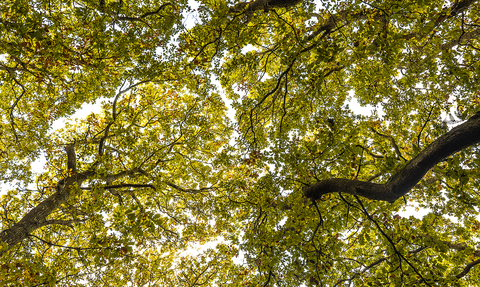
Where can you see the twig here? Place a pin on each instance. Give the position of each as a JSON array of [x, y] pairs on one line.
[[423, 127], [392, 141]]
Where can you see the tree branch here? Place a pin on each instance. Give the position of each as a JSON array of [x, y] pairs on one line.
[[252, 6], [71, 157], [61, 222], [460, 6], [392, 141], [113, 177], [37, 217], [467, 268], [465, 37], [194, 191], [460, 137], [123, 186]]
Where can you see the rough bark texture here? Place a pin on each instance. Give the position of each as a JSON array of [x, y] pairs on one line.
[[401, 183], [37, 217]]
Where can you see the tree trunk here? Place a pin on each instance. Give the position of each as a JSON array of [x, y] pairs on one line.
[[37, 217]]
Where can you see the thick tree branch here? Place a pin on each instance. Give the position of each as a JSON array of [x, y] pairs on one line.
[[71, 157], [460, 137], [467, 268], [37, 217], [123, 186], [460, 6], [252, 6]]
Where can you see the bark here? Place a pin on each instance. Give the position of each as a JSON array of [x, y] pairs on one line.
[[461, 6], [458, 138], [464, 38], [37, 217], [250, 7]]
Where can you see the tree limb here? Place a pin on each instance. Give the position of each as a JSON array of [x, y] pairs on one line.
[[460, 6], [123, 186], [71, 157], [463, 38], [252, 6], [460, 137], [113, 177], [194, 191], [37, 217], [467, 268]]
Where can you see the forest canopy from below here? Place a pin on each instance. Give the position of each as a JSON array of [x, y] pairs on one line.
[[296, 189]]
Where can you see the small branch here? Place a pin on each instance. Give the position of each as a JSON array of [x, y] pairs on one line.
[[333, 21], [446, 13], [268, 279], [61, 222], [142, 209], [131, 87], [271, 92], [194, 191], [374, 176], [319, 213], [418, 250], [156, 11], [140, 19], [465, 37], [129, 185], [17, 99], [389, 239], [373, 264], [392, 141], [62, 246], [424, 125]]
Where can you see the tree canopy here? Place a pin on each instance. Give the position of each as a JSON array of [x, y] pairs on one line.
[[296, 189]]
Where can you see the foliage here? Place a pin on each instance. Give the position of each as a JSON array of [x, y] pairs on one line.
[[129, 193]]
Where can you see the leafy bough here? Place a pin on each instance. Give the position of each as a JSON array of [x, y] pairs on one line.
[[458, 138]]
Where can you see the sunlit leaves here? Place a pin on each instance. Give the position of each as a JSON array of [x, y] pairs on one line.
[[168, 172]]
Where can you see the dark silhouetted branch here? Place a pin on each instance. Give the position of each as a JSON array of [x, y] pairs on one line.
[[460, 137]]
